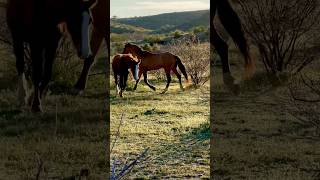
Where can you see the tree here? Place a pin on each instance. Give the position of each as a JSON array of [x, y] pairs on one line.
[[281, 30]]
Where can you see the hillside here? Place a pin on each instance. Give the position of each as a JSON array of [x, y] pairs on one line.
[[166, 22], [120, 28]]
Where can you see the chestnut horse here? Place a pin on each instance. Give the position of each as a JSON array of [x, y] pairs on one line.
[[154, 61], [39, 23], [231, 22], [120, 65], [100, 16]]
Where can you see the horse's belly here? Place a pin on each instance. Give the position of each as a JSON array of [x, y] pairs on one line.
[[150, 67]]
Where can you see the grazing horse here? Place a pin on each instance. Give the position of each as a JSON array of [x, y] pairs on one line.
[[120, 65], [41, 24], [100, 15], [231, 22], [154, 61]]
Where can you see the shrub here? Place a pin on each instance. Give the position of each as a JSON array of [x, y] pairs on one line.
[[118, 37], [199, 29], [177, 34], [154, 38], [195, 56], [305, 104], [116, 48], [282, 32]]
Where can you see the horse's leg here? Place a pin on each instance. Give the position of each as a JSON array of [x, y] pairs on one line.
[[18, 50], [178, 76], [168, 81], [115, 75], [50, 53], [123, 81], [96, 41], [37, 62], [121, 84], [137, 81], [222, 49], [145, 75]]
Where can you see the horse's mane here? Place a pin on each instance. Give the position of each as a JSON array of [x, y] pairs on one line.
[[140, 51]]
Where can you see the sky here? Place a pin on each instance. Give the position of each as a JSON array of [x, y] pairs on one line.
[[131, 8]]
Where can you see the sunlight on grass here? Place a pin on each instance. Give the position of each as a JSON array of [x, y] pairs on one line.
[[165, 123]]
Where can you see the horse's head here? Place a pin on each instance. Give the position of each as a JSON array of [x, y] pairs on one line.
[[132, 63], [132, 49], [76, 22]]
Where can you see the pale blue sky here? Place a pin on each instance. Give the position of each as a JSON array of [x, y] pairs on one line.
[[131, 8]]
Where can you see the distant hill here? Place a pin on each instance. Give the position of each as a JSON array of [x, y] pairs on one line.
[[120, 28], [167, 22]]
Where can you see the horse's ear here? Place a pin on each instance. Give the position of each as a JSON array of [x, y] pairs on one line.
[[89, 3]]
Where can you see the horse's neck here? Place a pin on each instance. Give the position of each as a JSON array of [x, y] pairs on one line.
[[143, 54], [100, 14]]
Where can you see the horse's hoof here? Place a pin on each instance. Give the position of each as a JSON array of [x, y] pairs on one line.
[[75, 91], [36, 108], [164, 91], [120, 94], [153, 88], [236, 89], [29, 99]]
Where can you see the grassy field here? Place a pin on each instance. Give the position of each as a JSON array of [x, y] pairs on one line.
[[67, 137], [175, 126], [256, 137]]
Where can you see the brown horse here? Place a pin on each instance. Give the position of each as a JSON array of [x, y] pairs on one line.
[[120, 65], [154, 61], [39, 23], [100, 16]]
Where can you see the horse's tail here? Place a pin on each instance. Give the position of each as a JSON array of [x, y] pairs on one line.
[[181, 67], [232, 24]]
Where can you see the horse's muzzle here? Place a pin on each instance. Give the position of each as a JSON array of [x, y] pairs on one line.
[[136, 72]]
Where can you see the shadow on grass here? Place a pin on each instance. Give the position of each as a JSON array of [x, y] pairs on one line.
[[191, 148], [8, 114], [131, 96], [8, 83], [200, 133], [16, 123]]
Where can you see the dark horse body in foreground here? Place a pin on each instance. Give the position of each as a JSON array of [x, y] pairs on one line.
[[231, 22], [37, 23], [120, 65], [100, 15], [154, 61]]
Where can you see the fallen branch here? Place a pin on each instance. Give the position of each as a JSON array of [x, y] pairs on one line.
[[127, 167]]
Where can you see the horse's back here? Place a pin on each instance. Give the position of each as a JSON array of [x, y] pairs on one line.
[[19, 12], [154, 61], [21, 19], [116, 62]]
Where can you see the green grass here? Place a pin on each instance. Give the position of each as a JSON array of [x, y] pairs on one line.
[[68, 136], [173, 125]]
